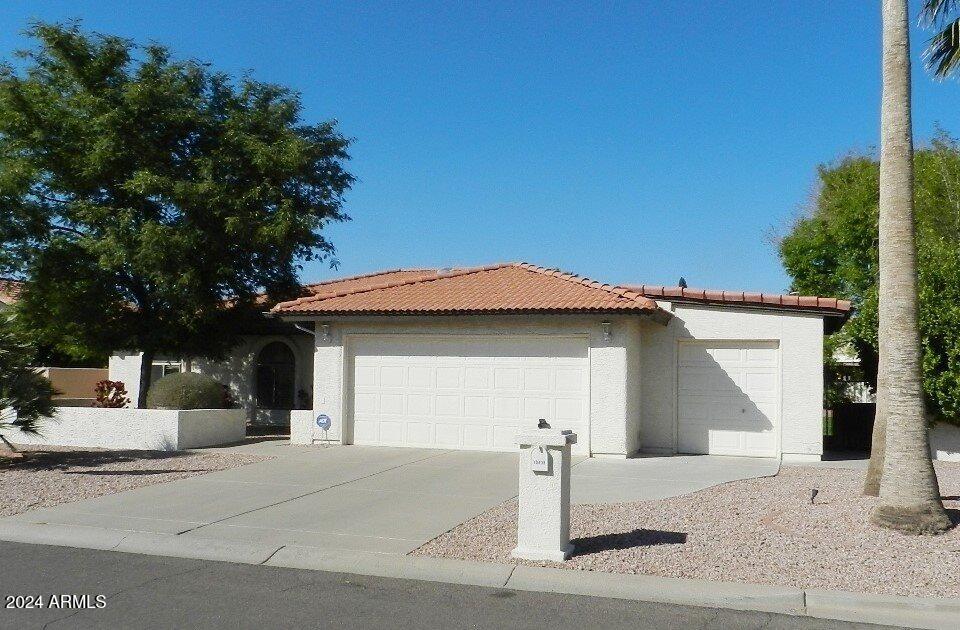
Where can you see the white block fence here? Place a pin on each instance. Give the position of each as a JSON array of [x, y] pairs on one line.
[[140, 429]]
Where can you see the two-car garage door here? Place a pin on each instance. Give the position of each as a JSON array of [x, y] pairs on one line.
[[466, 391], [728, 398]]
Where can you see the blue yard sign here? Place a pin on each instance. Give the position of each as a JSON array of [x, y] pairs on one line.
[[323, 421]]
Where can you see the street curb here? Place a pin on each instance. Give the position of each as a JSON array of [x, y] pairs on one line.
[[393, 566], [763, 598], [916, 612]]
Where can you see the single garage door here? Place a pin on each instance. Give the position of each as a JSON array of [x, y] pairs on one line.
[[729, 396], [466, 392]]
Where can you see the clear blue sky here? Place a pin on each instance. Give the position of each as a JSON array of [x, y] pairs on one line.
[[633, 142]]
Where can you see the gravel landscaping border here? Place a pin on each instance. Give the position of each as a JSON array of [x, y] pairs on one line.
[[49, 475], [761, 531]]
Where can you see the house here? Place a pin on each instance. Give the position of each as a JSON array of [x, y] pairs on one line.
[[9, 293], [460, 358]]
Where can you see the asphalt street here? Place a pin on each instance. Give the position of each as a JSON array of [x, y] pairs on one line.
[[84, 588]]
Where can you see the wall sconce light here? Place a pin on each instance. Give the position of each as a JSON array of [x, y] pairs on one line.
[[607, 332], [325, 332]]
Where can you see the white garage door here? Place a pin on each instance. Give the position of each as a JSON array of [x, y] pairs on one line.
[[466, 392], [728, 398]]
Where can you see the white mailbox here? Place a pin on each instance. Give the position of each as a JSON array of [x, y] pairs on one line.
[[543, 518]]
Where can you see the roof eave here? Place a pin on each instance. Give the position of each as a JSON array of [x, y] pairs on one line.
[[658, 315]]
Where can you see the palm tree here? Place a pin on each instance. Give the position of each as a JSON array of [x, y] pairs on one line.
[[942, 58], [909, 494], [943, 52]]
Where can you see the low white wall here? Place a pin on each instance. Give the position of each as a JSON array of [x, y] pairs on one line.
[[945, 442], [142, 429]]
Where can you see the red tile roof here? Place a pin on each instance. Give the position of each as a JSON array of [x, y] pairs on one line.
[[504, 288], [10, 290], [828, 306]]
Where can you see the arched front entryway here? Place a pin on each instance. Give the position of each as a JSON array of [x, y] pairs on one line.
[[276, 376]]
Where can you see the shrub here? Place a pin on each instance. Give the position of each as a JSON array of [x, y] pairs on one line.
[[110, 394], [186, 390]]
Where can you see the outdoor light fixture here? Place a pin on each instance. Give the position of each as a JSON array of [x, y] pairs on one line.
[[607, 332], [325, 332]]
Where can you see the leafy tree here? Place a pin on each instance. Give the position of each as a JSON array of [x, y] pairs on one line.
[[25, 395], [147, 201], [832, 250]]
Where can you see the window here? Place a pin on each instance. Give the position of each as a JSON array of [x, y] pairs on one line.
[[163, 367], [276, 377]]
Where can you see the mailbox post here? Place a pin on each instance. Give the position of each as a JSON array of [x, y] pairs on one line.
[[543, 518]]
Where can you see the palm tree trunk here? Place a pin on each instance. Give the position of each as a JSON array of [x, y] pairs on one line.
[[909, 494], [878, 441]]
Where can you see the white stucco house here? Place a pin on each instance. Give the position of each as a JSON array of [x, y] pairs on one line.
[[462, 358]]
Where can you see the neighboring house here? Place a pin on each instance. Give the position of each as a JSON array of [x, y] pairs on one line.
[[850, 372], [9, 293], [460, 358], [74, 386]]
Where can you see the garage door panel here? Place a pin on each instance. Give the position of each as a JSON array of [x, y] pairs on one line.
[[448, 377], [476, 436], [506, 408], [477, 377], [470, 392], [418, 433], [508, 378], [476, 406], [448, 405], [536, 379], [728, 398]]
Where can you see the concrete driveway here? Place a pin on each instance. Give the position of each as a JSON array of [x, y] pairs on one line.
[[384, 500]]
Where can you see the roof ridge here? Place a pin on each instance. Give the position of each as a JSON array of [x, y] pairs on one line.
[[620, 291], [316, 297], [361, 276]]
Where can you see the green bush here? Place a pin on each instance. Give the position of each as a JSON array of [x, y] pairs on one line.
[[186, 390]]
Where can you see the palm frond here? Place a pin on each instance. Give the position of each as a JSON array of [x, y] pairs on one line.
[[943, 52], [937, 11]]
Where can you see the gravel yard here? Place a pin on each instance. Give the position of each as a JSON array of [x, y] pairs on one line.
[[760, 530], [52, 475]]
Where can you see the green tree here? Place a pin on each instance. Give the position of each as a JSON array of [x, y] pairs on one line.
[[25, 396], [148, 200], [832, 250]]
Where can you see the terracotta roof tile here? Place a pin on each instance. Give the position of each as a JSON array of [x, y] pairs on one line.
[[10, 290], [504, 288], [830, 306]]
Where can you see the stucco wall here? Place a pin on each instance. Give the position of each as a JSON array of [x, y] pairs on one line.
[[945, 442], [238, 372], [800, 338], [614, 388], [125, 367], [146, 429]]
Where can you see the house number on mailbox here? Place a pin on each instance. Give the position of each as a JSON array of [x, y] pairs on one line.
[[539, 460]]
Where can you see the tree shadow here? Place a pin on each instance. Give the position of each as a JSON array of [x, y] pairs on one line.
[[63, 460], [627, 540]]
